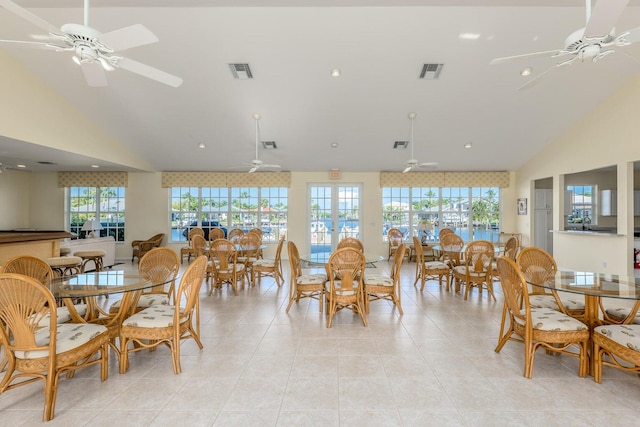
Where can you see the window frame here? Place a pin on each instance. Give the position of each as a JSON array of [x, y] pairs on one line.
[[106, 202]]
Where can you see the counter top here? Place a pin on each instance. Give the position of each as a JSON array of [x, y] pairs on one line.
[[588, 232], [14, 236]]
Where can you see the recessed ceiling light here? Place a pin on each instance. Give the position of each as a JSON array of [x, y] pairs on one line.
[[269, 145], [334, 145], [336, 72], [469, 36], [526, 72], [201, 145], [21, 166], [95, 166], [467, 145]]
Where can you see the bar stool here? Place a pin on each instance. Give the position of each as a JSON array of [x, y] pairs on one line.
[[65, 265], [88, 256]]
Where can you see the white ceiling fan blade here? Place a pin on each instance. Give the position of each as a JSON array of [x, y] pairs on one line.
[[407, 169], [128, 37], [253, 169], [150, 72], [29, 44], [536, 79], [604, 16], [268, 166], [428, 164], [526, 55], [28, 16], [94, 74], [633, 36]]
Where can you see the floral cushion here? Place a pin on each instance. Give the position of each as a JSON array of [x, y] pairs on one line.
[[570, 302], [147, 300], [625, 335], [239, 269], [63, 315], [339, 290], [244, 259], [265, 263], [158, 316], [69, 336], [545, 319], [436, 265], [311, 279], [620, 308], [377, 280], [462, 271]]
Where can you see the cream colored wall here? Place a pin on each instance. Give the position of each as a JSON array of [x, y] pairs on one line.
[[47, 201], [605, 137], [14, 199], [30, 111]]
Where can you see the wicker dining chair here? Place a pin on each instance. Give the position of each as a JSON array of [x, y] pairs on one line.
[[382, 287], [553, 330], [271, 267], [476, 269], [621, 345], [443, 232], [40, 270], [215, 233], [303, 285], [226, 268], [235, 234], [350, 242], [36, 347], [538, 266], [394, 238], [188, 250], [428, 270], [451, 246], [141, 247], [159, 265], [345, 288], [166, 324], [249, 246]]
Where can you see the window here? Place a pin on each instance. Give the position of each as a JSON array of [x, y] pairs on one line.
[[472, 212], [105, 204], [236, 207], [582, 204]]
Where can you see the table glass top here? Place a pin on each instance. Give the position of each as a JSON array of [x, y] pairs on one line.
[[98, 283], [596, 284], [323, 257]]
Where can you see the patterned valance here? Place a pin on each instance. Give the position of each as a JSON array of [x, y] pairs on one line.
[[194, 179], [93, 179], [223, 179], [444, 179]]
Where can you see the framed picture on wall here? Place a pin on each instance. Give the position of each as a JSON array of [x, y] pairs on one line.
[[522, 206]]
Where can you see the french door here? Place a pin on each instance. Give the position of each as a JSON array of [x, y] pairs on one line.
[[334, 213]]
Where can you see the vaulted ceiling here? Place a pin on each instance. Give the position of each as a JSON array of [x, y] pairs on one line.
[[380, 47]]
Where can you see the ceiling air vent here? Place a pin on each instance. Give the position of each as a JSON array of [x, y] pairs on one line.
[[431, 71], [269, 144], [401, 144], [241, 71]]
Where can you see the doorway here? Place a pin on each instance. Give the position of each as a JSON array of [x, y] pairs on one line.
[[334, 213]]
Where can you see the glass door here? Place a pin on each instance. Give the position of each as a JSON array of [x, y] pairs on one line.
[[334, 214]]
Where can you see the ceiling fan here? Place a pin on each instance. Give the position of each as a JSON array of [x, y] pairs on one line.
[[595, 41], [257, 164], [95, 52], [412, 163]]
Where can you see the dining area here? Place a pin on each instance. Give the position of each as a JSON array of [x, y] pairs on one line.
[[431, 363]]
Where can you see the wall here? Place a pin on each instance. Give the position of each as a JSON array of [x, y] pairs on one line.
[[605, 137], [14, 197]]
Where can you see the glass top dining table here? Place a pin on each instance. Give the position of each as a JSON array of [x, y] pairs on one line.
[[88, 286]]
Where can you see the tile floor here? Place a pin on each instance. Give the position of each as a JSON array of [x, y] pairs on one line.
[[434, 366]]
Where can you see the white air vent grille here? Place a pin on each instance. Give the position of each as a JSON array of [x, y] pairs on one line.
[[431, 71], [269, 144], [401, 144], [241, 71]]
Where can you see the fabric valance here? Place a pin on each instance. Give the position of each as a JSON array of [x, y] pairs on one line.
[[93, 179], [444, 179], [222, 179]]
